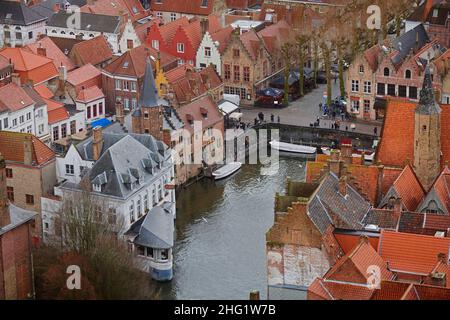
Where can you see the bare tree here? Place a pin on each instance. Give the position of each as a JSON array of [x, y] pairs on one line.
[[326, 55], [286, 50], [302, 42], [90, 234]]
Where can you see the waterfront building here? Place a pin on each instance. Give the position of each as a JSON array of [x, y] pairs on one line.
[[128, 176], [16, 260]]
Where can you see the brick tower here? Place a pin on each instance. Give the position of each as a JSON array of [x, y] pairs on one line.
[[148, 115], [427, 134]]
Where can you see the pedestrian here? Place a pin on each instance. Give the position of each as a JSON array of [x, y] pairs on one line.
[[346, 128], [353, 126], [272, 118], [318, 121], [375, 131], [278, 119], [256, 121]]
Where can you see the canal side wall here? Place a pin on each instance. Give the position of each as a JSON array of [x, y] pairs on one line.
[[318, 137]]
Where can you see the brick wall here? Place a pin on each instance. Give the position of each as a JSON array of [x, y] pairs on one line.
[[15, 264]]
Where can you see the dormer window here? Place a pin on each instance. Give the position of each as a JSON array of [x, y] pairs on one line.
[[97, 187]]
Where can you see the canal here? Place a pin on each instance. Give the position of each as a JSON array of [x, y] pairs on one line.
[[221, 227]]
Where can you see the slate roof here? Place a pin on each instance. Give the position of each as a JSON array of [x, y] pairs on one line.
[[407, 41], [45, 8], [427, 103], [328, 206], [18, 217], [155, 229], [16, 13], [88, 21]]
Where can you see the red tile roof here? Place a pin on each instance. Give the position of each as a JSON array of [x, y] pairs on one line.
[[132, 63], [12, 148], [388, 178], [44, 91], [94, 51], [83, 74], [178, 73], [397, 139], [322, 289], [188, 7], [194, 111], [412, 253], [222, 36], [14, 98], [169, 29], [32, 66], [56, 111], [442, 187], [409, 188], [128, 8], [436, 222], [396, 145], [53, 52], [390, 290], [90, 94]]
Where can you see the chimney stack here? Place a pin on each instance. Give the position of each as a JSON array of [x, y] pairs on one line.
[[204, 25], [28, 150], [15, 78], [41, 50], [119, 112], [5, 218], [343, 185], [397, 207], [347, 151], [97, 142]]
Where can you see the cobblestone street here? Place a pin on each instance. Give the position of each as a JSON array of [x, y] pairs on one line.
[[305, 111]]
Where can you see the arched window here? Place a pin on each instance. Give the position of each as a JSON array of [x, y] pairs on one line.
[[91, 35], [63, 32], [408, 74], [72, 33], [53, 31], [386, 72], [18, 28]]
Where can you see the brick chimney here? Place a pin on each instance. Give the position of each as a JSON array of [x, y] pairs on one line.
[[204, 25], [28, 150], [119, 112], [398, 207], [97, 142], [343, 185], [347, 151], [15, 78], [5, 218], [41, 50]]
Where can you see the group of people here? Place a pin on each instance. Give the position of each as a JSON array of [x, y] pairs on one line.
[[335, 110], [260, 118]]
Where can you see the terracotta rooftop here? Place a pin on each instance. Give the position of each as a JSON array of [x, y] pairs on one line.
[[37, 68], [14, 97], [94, 51], [51, 51], [193, 111], [412, 253], [90, 94], [390, 290], [12, 148], [169, 29], [178, 73], [44, 91], [193, 7], [82, 74], [56, 111], [128, 8], [132, 63], [322, 289], [409, 188], [222, 36]]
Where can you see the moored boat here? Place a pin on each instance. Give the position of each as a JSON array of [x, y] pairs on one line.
[[227, 170], [293, 148]]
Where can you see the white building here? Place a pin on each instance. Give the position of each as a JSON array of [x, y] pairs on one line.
[[211, 49], [129, 38], [22, 111], [91, 101], [86, 27], [132, 176], [65, 121], [19, 24]]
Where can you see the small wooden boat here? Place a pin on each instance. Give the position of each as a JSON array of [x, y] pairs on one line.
[[227, 170], [293, 148]]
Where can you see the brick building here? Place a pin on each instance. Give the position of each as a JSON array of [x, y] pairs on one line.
[[16, 275], [30, 172], [123, 78], [167, 10]]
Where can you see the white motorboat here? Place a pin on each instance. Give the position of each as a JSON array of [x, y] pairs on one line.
[[227, 170], [293, 148]]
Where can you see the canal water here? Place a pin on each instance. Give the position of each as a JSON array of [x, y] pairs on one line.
[[221, 227]]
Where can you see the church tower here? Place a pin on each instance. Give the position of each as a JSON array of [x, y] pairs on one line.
[[427, 134], [148, 115]]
